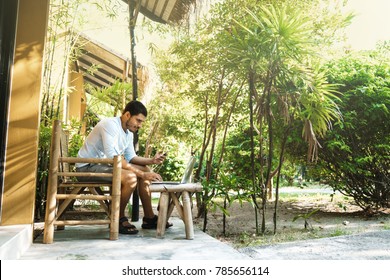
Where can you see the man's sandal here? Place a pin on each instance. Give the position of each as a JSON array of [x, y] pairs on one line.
[[151, 223], [126, 229]]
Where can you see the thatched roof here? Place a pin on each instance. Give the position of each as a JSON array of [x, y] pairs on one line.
[[164, 11]]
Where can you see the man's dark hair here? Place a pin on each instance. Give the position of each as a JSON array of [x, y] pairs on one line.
[[135, 107]]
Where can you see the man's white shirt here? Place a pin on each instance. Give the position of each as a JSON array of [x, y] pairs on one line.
[[106, 140]]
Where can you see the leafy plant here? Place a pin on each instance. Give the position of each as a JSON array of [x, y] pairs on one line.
[[339, 232], [355, 157], [60, 50], [307, 218]]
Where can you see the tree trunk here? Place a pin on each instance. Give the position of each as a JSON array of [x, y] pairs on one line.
[[252, 157]]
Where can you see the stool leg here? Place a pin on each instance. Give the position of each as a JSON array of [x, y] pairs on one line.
[[162, 214], [189, 227]]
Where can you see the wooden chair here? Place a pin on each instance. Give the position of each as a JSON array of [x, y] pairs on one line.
[[170, 195], [63, 188]]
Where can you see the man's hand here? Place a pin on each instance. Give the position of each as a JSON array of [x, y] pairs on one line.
[[151, 176], [159, 157]]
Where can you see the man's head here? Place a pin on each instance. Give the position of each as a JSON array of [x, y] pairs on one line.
[[133, 116], [135, 107]]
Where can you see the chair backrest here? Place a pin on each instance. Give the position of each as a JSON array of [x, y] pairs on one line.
[[64, 148], [187, 176]]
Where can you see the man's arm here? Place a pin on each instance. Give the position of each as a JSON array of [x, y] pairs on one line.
[[157, 159], [128, 166], [151, 176]]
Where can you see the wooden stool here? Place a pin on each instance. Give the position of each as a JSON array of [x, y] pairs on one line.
[[170, 194]]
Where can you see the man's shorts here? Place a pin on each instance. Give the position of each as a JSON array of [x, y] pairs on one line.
[[95, 168]]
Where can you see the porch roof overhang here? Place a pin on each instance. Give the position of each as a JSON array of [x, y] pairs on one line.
[[163, 11], [100, 65]]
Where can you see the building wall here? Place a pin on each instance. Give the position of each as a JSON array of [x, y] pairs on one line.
[[23, 128], [76, 96]]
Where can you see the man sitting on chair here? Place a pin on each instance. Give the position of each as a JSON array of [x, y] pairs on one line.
[[114, 136]]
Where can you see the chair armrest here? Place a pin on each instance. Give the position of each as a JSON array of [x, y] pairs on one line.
[[86, 160]]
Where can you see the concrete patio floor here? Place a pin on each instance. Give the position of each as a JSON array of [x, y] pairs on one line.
[[91, 243], [85, 251]]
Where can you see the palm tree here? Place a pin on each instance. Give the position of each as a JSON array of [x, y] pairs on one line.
[[273, 43]]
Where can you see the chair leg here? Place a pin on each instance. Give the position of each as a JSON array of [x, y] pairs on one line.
[[189, 228], [162, 216], [48, 234], [115, 198], [51, 203], [114, 217]]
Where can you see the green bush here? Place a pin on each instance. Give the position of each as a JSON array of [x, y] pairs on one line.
[[356, 153]]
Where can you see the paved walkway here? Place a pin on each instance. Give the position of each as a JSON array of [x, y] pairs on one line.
[[365, 246]]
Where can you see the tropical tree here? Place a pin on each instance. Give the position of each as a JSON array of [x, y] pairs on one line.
[[274, 44], [256, 61], [194, 74]]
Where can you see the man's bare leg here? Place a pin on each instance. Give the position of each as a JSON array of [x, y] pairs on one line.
[[146, 197], [144, 193], [128, 185]]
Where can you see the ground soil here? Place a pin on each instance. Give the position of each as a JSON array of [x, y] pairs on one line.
[[333, 217]]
